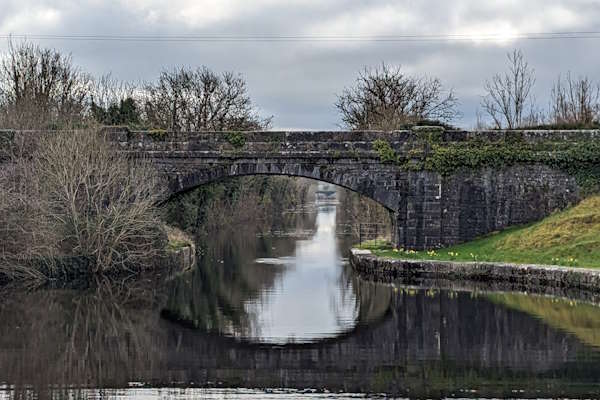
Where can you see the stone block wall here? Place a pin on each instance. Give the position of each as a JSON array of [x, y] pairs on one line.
[[438, 211]]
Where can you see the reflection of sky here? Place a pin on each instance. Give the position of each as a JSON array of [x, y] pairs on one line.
[[309, 300]]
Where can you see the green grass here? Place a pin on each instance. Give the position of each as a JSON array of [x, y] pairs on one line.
[[568, 238]]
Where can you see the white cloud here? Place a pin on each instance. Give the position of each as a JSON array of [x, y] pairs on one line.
[[26, 20]]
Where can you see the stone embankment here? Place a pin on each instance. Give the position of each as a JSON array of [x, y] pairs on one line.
[[386, 269]]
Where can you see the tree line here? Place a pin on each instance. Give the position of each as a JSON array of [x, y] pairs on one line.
[[42, 88], [385, 98]]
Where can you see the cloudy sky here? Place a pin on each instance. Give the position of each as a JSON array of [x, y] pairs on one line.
[[297, 81]]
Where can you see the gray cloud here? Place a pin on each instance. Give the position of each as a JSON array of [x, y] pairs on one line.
[[297, 81]]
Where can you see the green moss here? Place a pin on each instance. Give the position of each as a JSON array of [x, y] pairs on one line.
[[429, 134], [385, 151], [157, 134], [177, 239], [175, 245], [354, 153], [236, 139], [569, 238]]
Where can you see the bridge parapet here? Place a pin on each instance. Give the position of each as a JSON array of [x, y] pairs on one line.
[[358, 145]]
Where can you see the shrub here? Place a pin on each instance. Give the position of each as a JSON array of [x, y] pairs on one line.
[[76, 196], [385, 151]]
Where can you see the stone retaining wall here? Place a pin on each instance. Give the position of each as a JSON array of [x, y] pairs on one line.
[[381, 268]]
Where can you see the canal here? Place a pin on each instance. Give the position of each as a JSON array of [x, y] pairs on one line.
[[280, 314]]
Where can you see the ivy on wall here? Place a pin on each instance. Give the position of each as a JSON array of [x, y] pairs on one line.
[[236, 139], [579, 159]]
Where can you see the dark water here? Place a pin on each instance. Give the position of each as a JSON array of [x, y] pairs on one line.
[[281, 315]]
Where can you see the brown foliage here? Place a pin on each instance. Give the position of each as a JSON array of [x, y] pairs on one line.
[[575, 101], [76, 196]]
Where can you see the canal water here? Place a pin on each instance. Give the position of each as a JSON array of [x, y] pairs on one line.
[[280, 314]]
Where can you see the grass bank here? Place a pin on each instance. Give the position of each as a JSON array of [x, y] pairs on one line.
[[568, 238]]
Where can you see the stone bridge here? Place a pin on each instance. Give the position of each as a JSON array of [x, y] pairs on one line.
[[431, 209]]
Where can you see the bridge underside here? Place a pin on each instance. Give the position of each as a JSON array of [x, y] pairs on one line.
[[430, 210]]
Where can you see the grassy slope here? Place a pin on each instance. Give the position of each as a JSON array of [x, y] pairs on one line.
[[570, 238]]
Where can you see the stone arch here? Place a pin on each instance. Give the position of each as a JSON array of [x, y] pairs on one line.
[[364, 183]]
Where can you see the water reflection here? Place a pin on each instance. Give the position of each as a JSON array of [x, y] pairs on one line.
[[425, 342], [228, 324], [310, 300], [271, 293]]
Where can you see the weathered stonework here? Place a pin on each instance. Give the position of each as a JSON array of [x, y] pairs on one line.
[[386, 269], [431, 210]]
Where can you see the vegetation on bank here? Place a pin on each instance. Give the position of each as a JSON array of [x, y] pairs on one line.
[[177, 239], [251, 200], [71, 196], [69, 202], [568, 238]]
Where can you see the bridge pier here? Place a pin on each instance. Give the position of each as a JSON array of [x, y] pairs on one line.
[[438, 211]]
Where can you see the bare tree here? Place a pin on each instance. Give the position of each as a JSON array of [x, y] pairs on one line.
[[24, 233], [199, 99], [508, 98], [40, 88], [385, 98], [101, 202], [76, 196], [575, 101]]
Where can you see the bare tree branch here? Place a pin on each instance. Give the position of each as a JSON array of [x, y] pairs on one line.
[[77, 196], [199, 99], [40, 88], [384, 98], [508, 96], [575, 102]]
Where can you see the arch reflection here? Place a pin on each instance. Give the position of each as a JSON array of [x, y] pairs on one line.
[[283, 290]]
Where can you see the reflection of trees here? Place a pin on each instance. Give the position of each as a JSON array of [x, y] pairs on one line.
[[356, 209], [215, 295], [428, 342], [373, 300], [65, 337]]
